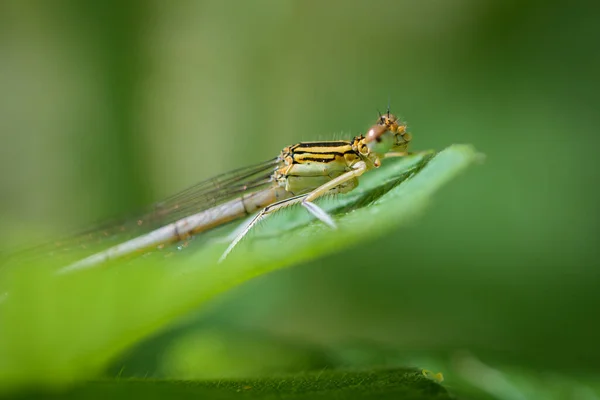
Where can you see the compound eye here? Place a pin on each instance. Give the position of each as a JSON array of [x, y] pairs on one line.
[[382, 143], [374, 134]]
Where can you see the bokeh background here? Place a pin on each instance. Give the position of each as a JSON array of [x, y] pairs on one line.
[[109, 106]]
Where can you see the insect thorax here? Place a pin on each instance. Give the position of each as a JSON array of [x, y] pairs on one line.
[[309, 165]]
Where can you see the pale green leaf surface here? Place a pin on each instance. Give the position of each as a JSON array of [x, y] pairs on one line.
[[59, 329]]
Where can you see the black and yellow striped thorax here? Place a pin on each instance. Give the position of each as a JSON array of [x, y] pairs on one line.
[[308, 165], [321, 152]]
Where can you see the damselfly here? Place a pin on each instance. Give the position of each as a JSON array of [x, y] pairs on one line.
[[299, 175]]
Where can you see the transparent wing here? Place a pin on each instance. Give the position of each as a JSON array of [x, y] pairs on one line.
[[210, 193], [197, 198]]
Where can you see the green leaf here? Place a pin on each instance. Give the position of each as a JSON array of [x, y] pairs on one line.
[[59, 329], [384, 384]]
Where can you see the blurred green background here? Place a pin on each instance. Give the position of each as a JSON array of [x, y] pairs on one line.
[[106, 107]]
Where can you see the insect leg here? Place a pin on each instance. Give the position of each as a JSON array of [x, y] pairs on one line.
[[393, 154], [357, 170], [305, 199], [244, 229]]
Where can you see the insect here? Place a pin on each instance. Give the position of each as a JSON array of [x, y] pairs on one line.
[[299, 175]]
